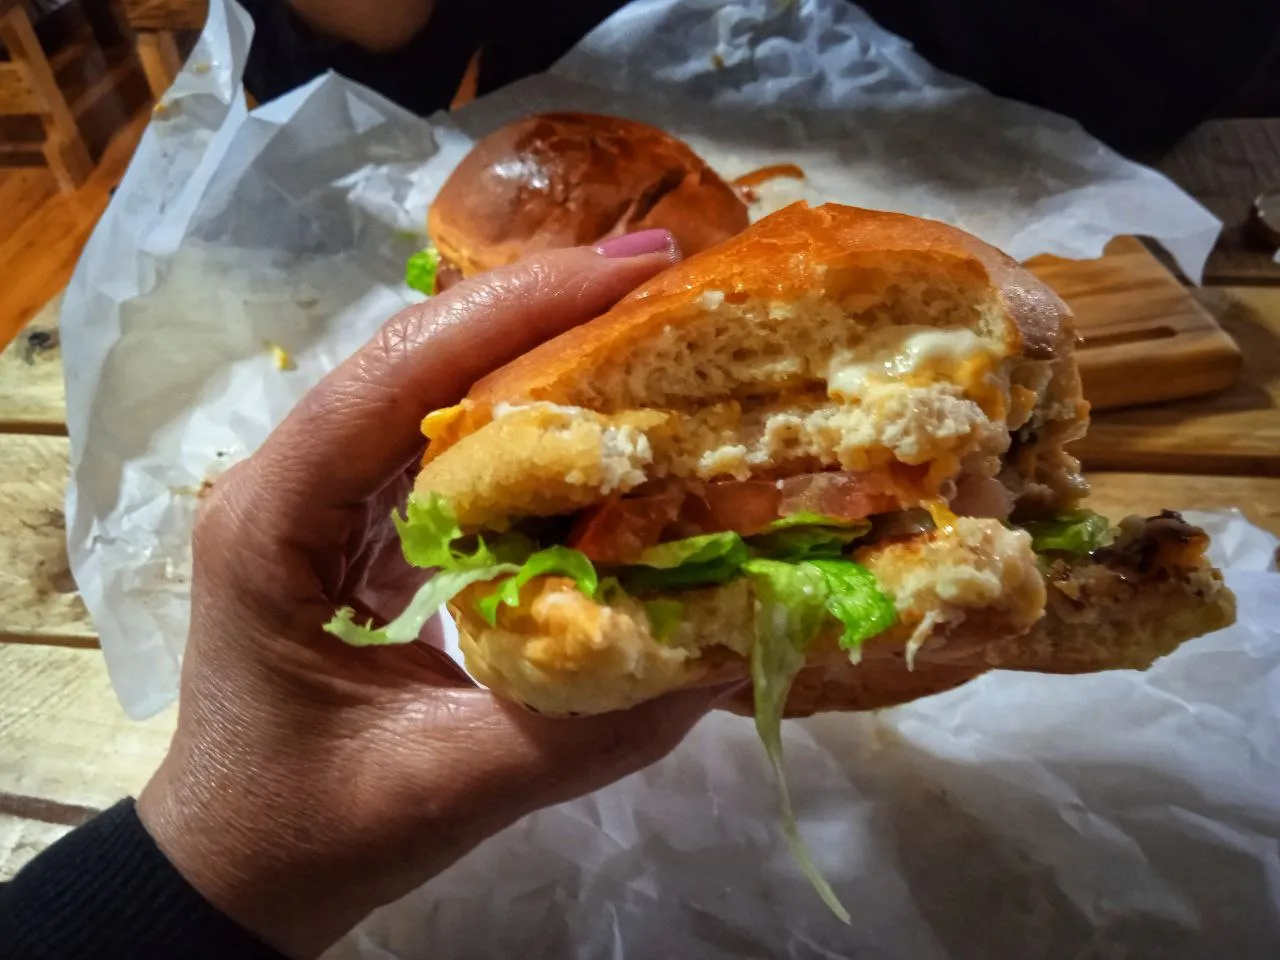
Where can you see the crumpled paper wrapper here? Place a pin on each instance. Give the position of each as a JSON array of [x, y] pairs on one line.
[[1117, 815]]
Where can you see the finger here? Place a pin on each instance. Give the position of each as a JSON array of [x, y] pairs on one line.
[[360, 425], [533, 761]]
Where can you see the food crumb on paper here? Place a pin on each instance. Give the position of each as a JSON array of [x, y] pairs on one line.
[[280, 356], [200, 492]]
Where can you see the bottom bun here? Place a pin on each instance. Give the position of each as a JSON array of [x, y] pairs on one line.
[[561, 653]]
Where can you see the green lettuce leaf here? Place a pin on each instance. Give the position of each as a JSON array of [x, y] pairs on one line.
[[856, 600], [420, 271], [806, 519], [702, 549], [559, 560], [805, 543], [430, 537], [427, 528], [664, 616], [441, 588], [790, 611], [695, 561], [1078, 532]]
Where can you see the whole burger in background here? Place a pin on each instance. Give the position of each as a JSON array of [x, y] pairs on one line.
[[829, 454], [570, 179]]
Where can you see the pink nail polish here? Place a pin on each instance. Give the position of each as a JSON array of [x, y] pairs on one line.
[[638, 244]]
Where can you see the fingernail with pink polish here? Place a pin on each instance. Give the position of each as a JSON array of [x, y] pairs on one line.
[[638, 244]]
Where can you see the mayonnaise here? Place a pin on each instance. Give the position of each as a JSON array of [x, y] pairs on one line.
[[910, 352]]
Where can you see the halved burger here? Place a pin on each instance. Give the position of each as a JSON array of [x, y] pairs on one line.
[[829, 454]]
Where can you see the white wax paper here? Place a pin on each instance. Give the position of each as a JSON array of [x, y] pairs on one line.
[[1107, 816]]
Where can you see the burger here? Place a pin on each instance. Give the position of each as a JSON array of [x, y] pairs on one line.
[[830, 455], [568, 179]]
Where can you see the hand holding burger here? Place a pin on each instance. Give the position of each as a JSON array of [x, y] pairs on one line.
[[829, 455], [826, 459]]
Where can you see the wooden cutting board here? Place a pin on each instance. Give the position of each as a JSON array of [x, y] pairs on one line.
[[1145, 339]]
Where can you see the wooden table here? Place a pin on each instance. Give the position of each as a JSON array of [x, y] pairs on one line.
[[67, 751]]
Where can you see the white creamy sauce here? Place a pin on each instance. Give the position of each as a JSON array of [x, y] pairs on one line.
[[503, 408], [895, 352], [919, 636]]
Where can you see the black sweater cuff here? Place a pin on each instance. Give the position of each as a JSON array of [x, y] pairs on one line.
[[106, 890]]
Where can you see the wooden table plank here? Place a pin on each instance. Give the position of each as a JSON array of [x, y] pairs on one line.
[[33, 397], [67, 749], [1236, 431], [38, 597], [1143, 337], [166, 14], [1117, 495], [21, 839], [39, 252]]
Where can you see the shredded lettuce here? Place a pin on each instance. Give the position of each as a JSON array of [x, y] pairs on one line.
[[707, 559], [1078, 532], [420, 271], [427, 529], [856, 600], [430, 537], [441, 588], [701, 549], [719, 557], [807, 519], [790, 611], [664, 616], [805, 542], [560, 560]]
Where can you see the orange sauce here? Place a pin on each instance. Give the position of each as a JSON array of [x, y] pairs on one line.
[[756, 177]]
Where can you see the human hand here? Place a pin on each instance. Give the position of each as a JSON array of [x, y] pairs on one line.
[[310, 782]]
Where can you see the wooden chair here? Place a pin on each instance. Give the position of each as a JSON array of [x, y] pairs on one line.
[[156, 24], [28, 88]]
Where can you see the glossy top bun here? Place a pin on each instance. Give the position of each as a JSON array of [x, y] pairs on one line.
[[566, 179], [698, 363]]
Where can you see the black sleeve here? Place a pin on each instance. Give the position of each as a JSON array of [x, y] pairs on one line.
[[106, 890]]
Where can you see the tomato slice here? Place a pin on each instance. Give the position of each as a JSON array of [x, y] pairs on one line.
[[618, 531], [743, 506]]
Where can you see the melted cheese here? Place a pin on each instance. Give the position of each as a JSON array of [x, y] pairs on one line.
[[437, 422], [943, 518], [918, 356]]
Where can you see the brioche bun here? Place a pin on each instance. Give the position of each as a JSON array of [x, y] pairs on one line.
[[566, 179]]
